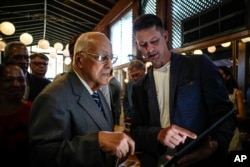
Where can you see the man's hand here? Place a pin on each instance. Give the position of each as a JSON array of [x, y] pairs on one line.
[[116, 143], [202, 152], [173, 135]]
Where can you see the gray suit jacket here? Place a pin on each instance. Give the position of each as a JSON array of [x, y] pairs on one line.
[[64, 124]]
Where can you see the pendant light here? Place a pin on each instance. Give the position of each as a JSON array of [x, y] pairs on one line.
[[7, 28], [26, 38], [43, 43]]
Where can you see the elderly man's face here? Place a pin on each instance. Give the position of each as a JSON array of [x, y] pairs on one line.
[[95, 70]]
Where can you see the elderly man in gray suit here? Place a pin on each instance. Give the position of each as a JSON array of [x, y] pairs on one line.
[[70, 128]]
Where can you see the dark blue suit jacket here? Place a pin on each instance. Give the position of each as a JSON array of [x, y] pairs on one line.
[[115, 90], [197, 99], [127, 102], [36, 85]]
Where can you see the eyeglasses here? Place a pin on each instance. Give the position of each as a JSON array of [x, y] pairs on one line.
[[102, 58], [39, 63]]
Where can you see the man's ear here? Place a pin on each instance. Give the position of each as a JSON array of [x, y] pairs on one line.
[[79, 60], [165, 35]]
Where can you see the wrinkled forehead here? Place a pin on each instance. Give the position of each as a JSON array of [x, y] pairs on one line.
[[93, 42]]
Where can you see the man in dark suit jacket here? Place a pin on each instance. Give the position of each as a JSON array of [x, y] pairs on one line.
[[177, 99], [67, 127], [36, 85], [136, 69], [115, 91], [17, 52]]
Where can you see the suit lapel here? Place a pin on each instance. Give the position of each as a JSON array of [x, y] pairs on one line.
[[150, 87], [174, 73], [87, 103]]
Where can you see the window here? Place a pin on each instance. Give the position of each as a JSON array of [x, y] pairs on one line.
[[183, 10], [121, 38], [148, 6]]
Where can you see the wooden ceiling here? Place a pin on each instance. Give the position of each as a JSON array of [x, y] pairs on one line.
[[64, 18]]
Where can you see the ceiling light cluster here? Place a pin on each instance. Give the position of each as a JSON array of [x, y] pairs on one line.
[[212, 49], [8, 28]]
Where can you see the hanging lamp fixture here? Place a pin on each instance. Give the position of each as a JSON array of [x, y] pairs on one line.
[[43, 43], [26, 38], [7, 28], [211, 49]]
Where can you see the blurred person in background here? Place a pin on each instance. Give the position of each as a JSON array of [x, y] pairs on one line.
[[39, 64], [236, 96], [136, 70], [115, 91], [14, 115], [17, 53]]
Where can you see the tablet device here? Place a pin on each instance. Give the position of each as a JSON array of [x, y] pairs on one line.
[[190, 146]]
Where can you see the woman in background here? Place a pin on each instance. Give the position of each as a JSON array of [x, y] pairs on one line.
[[14, 114], [236, 96]]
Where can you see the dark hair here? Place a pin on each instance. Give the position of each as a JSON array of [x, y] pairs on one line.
[[41, 55], [231, 83], [147, 21], [138, 64]]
